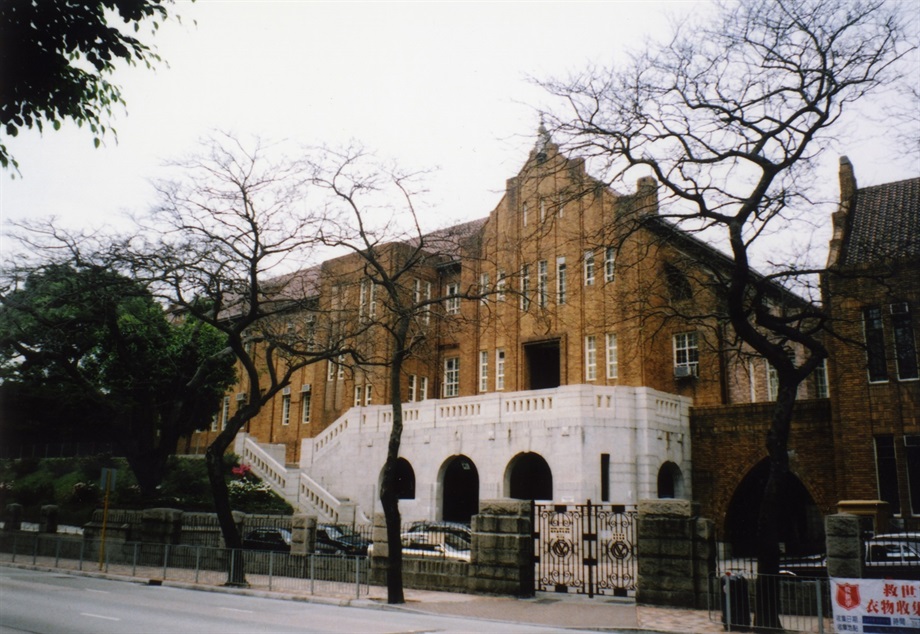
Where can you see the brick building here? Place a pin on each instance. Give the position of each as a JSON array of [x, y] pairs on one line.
[[560, 363]]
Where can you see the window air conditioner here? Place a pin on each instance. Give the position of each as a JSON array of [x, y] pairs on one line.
[[241, 396], [305, 387], [286, 391], [901, 308], [683, 371]]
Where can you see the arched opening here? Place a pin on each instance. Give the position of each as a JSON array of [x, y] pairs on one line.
[[801, 527], [670, 481], [529, 477], [460, 485], [405, 480]]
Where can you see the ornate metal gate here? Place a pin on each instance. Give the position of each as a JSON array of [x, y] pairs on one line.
[[585, 548]]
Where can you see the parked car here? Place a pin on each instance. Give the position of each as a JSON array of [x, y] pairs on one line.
[[436, 543], [894, 549], [454, 533], [274, 539], [340, 540]]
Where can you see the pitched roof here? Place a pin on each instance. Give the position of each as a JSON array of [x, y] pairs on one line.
[[884, 224]]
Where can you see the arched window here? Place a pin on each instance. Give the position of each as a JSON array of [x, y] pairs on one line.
[[670, 481], [405, 480]]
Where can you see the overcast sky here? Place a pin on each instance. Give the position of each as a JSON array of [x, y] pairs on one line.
[[432, 85]]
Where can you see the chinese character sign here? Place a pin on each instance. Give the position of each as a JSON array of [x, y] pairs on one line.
[[876, 605]]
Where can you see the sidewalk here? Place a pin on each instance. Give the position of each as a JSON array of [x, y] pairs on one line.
[[555, 610]]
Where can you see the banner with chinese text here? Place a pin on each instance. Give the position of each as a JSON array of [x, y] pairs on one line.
[[876, 606]]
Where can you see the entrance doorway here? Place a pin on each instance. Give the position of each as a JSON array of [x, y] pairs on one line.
[[460, 501], [529, 478], [542, 365]]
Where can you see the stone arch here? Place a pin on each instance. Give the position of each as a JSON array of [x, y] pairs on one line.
[[459, 481], [405, 480], [528, 477], [670, 481], [801, 527]]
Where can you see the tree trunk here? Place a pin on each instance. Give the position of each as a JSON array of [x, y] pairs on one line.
[[389, 491], [766, 599], [214, 459]]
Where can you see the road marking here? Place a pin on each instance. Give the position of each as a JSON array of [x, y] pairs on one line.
[[99, 616], [237, 610]]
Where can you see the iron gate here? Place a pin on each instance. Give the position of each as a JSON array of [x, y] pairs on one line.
[[585, 548]]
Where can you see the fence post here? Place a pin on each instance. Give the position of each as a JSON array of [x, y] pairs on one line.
[[134, 560], [312, 573], [165, 560], [197, 562], [271, 565], [357, 577]]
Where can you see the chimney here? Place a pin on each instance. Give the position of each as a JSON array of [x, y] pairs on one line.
[[839, 218]]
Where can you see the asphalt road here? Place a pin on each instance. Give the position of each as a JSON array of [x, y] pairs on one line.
[[54, 603]]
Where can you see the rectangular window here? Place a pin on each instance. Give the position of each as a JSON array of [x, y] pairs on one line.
[[610, 255], [590, 358], [483, 371], [359, 396], [542, 210], [875, 343], [525, 287], [686, 354], [912, 452], [423, 390], [426, 319], [499, 369], [417, 291], [500, 286], [413, 380], [215, 421], [772, 382], [286, 409], [340, 372], [484, 287], [451, 377], [311, 332], [613, 362], [368, 395], [362, 300], [887, 469], [305, 407], [589, 268], [225, 413], [561, 209], [330, 370], [542, 280], [821, 390], [524, 214], [905, 349], [560, 281], [452, 303]]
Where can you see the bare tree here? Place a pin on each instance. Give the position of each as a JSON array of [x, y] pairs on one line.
[[729, 116], [228, 244], [372, 214]]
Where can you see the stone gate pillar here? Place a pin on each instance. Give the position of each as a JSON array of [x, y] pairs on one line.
[[502, 552]]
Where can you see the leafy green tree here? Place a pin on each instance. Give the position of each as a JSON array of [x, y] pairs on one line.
[[147, 379], [55, 57]]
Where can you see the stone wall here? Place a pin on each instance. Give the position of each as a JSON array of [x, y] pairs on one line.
[[677, 554]]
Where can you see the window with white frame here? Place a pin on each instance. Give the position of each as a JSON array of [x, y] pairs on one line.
[[451, 377], [686, 354], [286, 409], [561, 208], [423, 388], [362, 300], [821, 389], [500, 286], [613, 362], [225, 413], [905, 348], [590, 358], [542, 209], [340, 373], [610, 256], [589, 268], [426, 318], [524, 214], [500, 369], [417, 291], [452, 303], [484, 287], [215, 421], [368, 395], [542, 281], [483, 371], [330, 370], [359, 395], [560, 281], [525, 287], [305, 401], [413, 381]]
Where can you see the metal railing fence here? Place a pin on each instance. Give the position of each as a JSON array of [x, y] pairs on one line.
[[274, 571], [802, 603]]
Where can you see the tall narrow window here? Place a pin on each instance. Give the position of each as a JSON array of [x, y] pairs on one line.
[[875, 343], [499, 369], [311, 332], [686, 354], [590, 358], [330, 370], [887, 470], [368, 395], [610, 255], [542, 210], [427, 314], [542, 280], [451, 377], [412, 387], [452, 303], [484, 288], [340, 372], [613, 363], [423, 390], [524, 214], [821, 390], [525, 287], [560, 281], [286, 409], [417, 291], [215, 421], [305, 407], [589, 268], [483, 371], [372, 299], [605, 477], [912, 452], [358, 396], [501, 285], [905, 349], [561, 208], [362, 300], [225, 413]]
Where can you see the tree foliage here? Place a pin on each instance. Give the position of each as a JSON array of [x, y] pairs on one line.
[[91, 332], [729, 116], [56, 57]]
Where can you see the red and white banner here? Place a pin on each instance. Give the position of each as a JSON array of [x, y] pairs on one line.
[[876, 606]]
